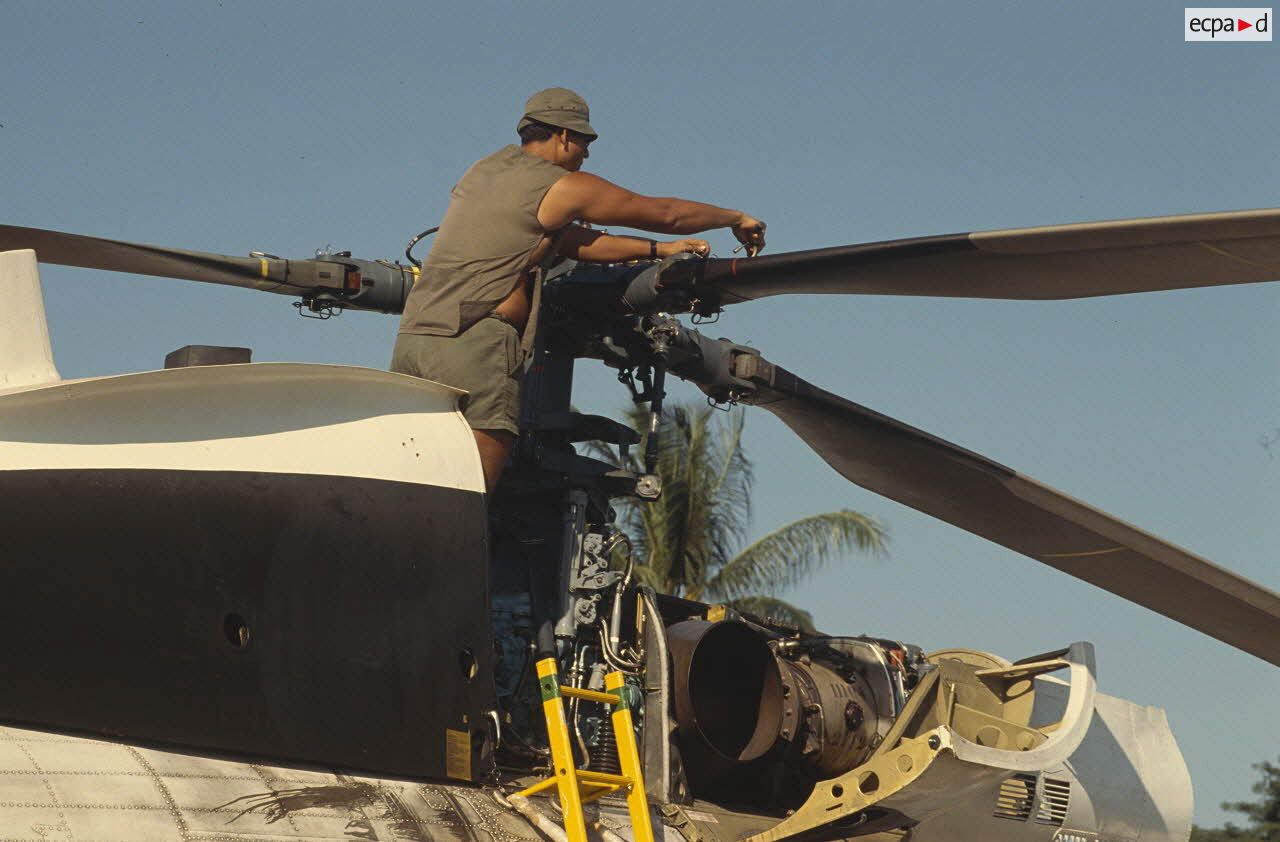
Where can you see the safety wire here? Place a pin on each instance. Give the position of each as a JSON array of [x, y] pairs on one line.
[[704, 320]]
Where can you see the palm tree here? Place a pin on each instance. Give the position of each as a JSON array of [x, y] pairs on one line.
[[1263, 814], [692, 537]]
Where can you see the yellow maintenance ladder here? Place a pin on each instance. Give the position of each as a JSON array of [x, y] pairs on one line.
[[582, 786]]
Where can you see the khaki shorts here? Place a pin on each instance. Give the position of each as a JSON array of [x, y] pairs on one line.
[[485, 359]]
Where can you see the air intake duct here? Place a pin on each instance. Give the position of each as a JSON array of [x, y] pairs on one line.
[[742, 709]]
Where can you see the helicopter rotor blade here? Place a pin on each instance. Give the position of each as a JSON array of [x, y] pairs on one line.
[[288, 277], [985, 498], [1057, 262]]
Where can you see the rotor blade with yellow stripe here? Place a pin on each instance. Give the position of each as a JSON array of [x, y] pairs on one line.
[[289, 277]]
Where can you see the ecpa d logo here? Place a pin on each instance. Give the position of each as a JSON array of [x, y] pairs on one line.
[[1227, 25]]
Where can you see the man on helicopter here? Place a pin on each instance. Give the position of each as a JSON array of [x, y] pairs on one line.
[[467, 321]]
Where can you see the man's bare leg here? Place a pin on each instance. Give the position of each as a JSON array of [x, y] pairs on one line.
[[494, 445]]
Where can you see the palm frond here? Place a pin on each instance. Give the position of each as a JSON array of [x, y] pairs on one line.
[[687, 541], [645, 575], [788, 554], [768, 607]]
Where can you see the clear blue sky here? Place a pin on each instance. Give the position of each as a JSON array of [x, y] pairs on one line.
[[231, 126]]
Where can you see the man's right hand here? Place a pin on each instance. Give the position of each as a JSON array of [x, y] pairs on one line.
[[750, 232], [690, 245]]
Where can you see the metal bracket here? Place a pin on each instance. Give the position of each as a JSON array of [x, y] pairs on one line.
[[318, 308]]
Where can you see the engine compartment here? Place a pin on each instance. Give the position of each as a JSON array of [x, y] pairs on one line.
[[730, 707]]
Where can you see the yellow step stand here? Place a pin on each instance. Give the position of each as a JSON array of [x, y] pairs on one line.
[[582, 786]]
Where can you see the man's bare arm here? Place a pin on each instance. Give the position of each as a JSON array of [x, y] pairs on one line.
[[580, 195], [584, 244]]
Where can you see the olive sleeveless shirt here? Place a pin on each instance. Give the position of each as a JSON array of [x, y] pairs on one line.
[[484, 243]]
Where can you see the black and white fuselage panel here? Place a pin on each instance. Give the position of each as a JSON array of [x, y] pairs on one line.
[[261, 417]]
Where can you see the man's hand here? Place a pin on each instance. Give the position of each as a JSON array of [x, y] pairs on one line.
[[750, 232], [691, 245], [579, 243]]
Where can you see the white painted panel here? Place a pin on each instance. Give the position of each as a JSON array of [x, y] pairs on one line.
[[25, 354], [273, 417]]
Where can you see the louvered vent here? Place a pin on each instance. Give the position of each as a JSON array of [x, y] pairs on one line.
[[1013, 801], [1053, 804]]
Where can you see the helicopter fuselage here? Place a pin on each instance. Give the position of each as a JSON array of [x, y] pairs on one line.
[[279, 567]]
